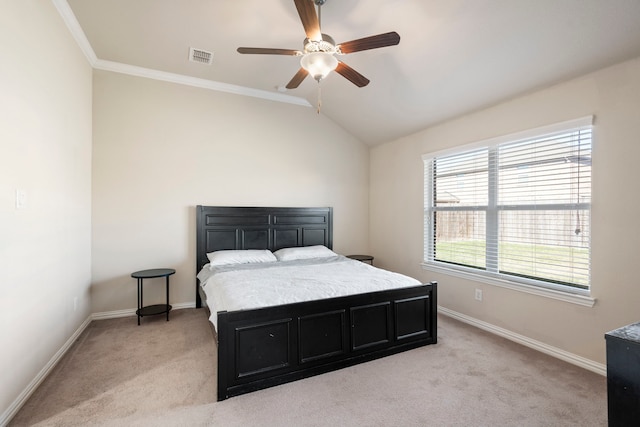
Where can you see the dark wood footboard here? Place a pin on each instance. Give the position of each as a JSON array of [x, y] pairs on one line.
[[275, 345]]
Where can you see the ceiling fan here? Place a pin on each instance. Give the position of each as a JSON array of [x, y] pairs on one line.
[[317, 55]]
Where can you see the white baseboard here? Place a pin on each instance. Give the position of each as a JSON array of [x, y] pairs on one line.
[[130, 312], [13, 409], [558, 353], [44, 372]]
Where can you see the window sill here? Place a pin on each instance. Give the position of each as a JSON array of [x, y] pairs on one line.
[[573, 298]]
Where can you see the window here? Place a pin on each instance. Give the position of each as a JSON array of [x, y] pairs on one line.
[[515, 208]]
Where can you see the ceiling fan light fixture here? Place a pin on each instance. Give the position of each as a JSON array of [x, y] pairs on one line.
[[319, 49], [319, 64]]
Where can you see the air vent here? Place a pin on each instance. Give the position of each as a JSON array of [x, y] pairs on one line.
[[201, 56]]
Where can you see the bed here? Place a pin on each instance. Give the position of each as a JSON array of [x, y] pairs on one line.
[[266, 346]]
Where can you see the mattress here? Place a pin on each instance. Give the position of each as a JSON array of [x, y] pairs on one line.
[[250, 286]]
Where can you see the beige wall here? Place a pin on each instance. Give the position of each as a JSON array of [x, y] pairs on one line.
[[396, 216], [45, 150], [160, 149]]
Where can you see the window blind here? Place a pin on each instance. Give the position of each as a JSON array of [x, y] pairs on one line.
[[519, 208]]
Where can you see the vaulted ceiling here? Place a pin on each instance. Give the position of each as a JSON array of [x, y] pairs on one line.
[[454, 56]]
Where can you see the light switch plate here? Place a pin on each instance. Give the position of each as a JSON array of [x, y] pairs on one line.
[[21, 199]]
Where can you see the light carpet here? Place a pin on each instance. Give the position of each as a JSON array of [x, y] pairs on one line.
[[164, 374]]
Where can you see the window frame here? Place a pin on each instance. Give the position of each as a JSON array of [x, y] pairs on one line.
[[538, 287]]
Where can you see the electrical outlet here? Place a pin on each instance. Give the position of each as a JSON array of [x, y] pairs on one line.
[[479, 294], [75, 303], [21, 199]]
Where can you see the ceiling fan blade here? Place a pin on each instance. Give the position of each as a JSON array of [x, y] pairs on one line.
[[352, 75], [372, 42], [297, 79], [309, 18], [268, 51]]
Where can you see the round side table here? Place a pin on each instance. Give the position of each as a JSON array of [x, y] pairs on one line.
[[152, 310], [362, 258]]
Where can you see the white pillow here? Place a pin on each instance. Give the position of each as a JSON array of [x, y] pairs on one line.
[[242, 256], [304, 252]]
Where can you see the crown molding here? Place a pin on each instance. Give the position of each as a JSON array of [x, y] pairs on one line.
[[74, 27], [100, 64], [133, 70]]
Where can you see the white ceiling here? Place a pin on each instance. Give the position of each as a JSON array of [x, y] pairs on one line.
[[454, 56]]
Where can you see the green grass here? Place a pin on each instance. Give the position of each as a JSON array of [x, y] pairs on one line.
[[543, 264]]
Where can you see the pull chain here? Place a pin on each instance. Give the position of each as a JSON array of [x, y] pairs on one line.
[[319, 4], [578, 229]]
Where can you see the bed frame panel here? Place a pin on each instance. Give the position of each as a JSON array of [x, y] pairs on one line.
[[269, 346]]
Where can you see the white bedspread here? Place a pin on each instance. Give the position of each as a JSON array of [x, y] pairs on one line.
[[248, 286]]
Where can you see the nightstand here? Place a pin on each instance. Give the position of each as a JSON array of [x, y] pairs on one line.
[[152, 310], [362, 258], [623, 375]]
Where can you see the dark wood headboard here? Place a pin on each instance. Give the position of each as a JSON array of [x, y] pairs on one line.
[[224, 227]]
